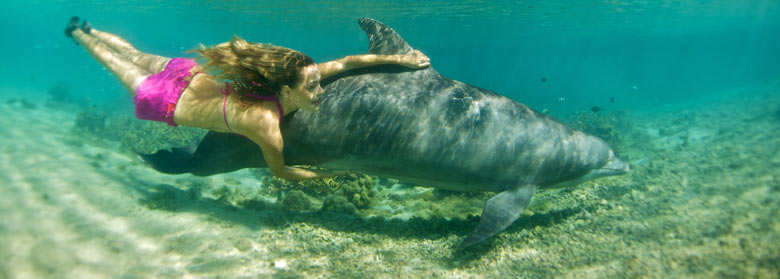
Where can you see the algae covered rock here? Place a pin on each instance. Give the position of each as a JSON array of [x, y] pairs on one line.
[[90, 121], [358, 190], [299, 201], [339, 204]]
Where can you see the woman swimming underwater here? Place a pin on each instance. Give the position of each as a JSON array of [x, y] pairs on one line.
[[243, 88]]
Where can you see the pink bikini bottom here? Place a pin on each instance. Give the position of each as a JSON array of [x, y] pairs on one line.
[[156, 97]]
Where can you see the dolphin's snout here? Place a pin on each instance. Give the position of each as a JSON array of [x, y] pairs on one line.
[[624, 166], [616, 166]]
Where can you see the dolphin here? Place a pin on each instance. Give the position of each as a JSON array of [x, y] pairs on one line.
[[423, 128]]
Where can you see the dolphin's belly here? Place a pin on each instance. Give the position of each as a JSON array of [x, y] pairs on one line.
[[431, 176]]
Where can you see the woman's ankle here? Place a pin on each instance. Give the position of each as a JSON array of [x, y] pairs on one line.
[[73, 24], [85, 27]]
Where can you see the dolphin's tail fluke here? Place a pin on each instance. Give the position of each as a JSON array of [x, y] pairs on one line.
[[175, 161]]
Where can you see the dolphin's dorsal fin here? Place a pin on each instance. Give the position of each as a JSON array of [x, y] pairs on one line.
[[382, 39]]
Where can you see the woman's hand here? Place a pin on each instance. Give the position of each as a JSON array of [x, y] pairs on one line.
[[415, 59]]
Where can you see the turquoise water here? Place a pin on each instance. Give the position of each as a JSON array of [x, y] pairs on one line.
[[689, 92], [670, 50]]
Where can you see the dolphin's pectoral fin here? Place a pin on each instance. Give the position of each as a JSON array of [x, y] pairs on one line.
[[500, 212]]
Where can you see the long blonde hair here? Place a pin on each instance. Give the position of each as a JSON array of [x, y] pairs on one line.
[[255, 68]]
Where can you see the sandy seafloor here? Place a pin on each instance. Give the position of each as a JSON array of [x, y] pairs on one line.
[[702, 201]]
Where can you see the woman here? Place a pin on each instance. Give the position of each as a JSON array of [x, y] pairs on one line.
[[255, 85]]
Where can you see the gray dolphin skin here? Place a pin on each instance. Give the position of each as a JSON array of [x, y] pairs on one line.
[[422, 128]]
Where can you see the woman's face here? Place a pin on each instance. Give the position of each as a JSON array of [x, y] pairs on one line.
[[306, 94]]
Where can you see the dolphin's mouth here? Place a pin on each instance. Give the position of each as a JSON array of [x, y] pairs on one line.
[[615, 166]]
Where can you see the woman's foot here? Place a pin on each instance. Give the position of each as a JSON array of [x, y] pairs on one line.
[[73, 24], [85, 27]]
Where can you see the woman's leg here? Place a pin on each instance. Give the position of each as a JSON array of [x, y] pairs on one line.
[[128, 73], [152, 63]]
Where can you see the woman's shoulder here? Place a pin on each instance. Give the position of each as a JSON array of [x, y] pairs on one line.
[[258, 115]]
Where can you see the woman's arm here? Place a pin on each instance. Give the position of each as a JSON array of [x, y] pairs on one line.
[[413, 59], [269, 138]]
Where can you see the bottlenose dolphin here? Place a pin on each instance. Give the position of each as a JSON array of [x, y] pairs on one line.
[[422, 128]]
